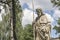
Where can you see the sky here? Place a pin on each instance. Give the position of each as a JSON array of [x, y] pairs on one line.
[[51, 12], [2, 11]]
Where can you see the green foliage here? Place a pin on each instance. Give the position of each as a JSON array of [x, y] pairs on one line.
[[5, 23], [59, 21], [56, 2], [19, 28], [5, 26], [57, 28], [28, 32]]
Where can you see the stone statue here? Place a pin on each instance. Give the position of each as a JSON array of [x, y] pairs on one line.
[[41, 26]]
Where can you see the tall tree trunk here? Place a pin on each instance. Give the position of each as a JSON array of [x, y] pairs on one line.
[[13, 21], [12, 38]]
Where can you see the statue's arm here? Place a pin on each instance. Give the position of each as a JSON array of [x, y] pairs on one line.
[[34, 26], [34, 22], [49, 24], [34, 29]]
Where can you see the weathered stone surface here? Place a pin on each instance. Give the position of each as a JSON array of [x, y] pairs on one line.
[[41, 26]]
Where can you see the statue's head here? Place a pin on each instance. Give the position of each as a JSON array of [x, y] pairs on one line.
[[39, 11]]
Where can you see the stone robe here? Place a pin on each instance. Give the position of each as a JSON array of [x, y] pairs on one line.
[[42, 28]]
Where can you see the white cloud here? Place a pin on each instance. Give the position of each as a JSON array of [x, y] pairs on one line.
[[44, 4], [2, 12], [56, 14], [49, 17], [28, 17]]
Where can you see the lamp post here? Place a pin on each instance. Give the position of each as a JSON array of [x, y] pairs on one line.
[[33, 20]]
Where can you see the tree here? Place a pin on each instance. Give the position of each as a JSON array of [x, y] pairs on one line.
[[17, 19], [5, 27], [28, 32], [56, 3], [57, 28], [19, 15]]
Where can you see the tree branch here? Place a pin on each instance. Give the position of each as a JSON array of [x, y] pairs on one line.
[[5, 2]]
